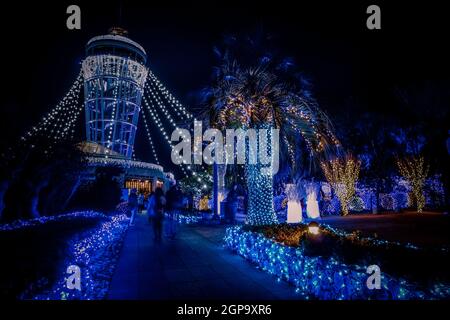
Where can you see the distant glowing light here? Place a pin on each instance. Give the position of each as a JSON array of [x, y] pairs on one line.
[[313, 228]]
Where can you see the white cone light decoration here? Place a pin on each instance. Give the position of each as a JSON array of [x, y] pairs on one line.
[[312, 205], [294, 211]]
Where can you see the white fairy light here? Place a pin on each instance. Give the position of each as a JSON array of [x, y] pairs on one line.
[[147, 129], [59, 122], [150, 106], [174, 103]]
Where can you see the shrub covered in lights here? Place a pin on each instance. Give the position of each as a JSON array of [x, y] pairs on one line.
[[48, 245], [38, 245], [96, 252], [394, 196], [188, 219], [331, 264]]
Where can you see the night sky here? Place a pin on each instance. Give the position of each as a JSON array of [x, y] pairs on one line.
[[353, 69]]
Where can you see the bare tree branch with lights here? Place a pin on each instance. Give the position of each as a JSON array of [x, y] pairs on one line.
[[415, 171], [342, 174]]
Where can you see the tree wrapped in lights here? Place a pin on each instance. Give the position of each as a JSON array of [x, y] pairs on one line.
[[195, 185], [342, 174], [415, 171], [203, 204], [260, 96]]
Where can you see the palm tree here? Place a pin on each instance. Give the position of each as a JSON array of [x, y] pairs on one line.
[[259, 97]]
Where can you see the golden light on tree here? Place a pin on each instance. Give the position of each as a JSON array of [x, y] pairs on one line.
[[415, 171], [203, 204], [342, 174]]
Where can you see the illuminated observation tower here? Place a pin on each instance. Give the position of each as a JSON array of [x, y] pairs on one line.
[[114, 76]]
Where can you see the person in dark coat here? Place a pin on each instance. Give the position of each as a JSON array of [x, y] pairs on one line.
[[133, 205], [159, 204]]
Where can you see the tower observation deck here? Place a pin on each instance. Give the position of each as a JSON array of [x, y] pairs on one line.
[[114, 76]]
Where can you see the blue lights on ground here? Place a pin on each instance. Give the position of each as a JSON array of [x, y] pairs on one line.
[[95, 251], [22, 224], [318, 277], [188, 219]]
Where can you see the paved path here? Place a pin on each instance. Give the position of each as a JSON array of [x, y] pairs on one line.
[[193, 266]]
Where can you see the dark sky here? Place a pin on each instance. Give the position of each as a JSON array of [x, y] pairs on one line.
[[328, 40]]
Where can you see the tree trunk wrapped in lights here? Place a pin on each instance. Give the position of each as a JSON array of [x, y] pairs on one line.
[[342, 174], [260, 186], [415, 171]]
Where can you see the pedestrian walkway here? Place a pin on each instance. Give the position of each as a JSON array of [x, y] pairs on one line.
[[193, 266]]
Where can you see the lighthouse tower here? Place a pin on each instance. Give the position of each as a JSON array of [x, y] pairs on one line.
[[114, 76]]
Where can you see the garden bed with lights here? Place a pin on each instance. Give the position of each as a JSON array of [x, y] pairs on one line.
[[47, 246], [326, 263]]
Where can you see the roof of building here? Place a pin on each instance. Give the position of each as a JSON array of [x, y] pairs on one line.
[[119, 38]]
